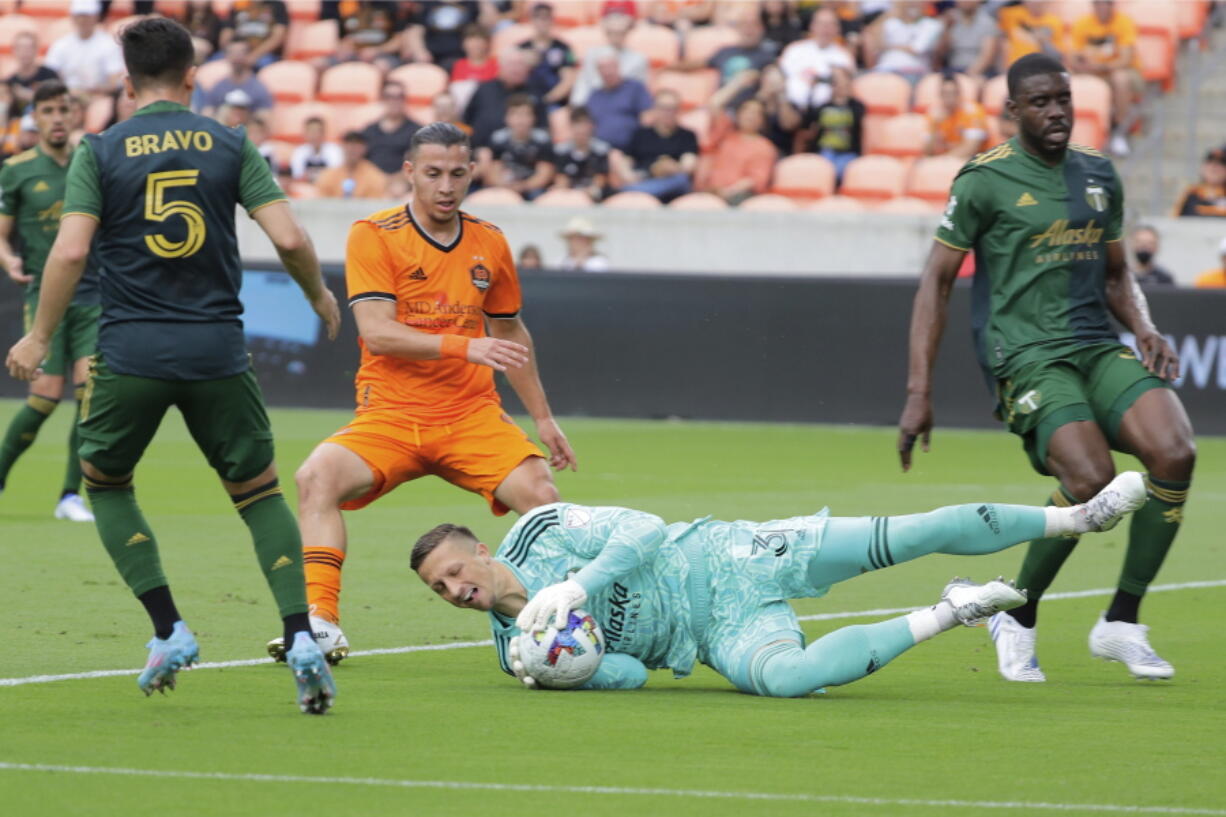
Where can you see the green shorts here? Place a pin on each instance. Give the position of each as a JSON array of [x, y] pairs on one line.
[[1098, 383], [76, 337], [121, 413]]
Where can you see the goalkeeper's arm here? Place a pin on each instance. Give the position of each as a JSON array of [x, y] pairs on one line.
[[618, 671]]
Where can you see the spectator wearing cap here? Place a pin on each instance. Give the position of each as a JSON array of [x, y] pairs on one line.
[[661, 158], [357, 177], [583, 162], [240, 78], [970, 41], [741, 163], [957, 127], [263, 25], [487, 109], [1208, 198], [631, 64], [519, 156], [87, 58], [1103, 43], [235, 109], [1149, 275], [388, 137], [581, 236], [314, 155], [556, 68], [27, 73], [809, 64], [618, 104], [1215, 278]]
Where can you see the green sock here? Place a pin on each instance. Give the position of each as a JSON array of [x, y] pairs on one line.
[[125, 534], [1150, 535], [278, 544], [72, 474], [22, 430], [1043, 561]]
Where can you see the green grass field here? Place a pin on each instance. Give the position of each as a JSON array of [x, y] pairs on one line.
[[444, 732]]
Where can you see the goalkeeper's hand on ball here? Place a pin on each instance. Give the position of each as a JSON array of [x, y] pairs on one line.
[[517, 665], [555, 601]]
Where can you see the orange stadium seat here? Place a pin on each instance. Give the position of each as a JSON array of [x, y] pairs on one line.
[[659, 44], [702, 42], [45, 8], [222, 8], [355, 83], [882, 93], [907, 205], [287, 121], [903, 135], [306, 41], [422, 81], [694, 87], [13, 24], [170, 8], [559, 125], [290, 81], [303, 190], [422, 114], [50, 30], [995, 91], [633, 200], [563, 198], [305, 10], [838, 204], [804, 176], [211, 73], [698, 201], [699, 121], [1088, 132], [356, 117], [571, 13], [1156, 55], [495, 196], [7, 65], [122, 8], [582, 39], [1092, 98], [1191, 16], [769, 203], [873, 178], [510, 36], [928, 90], [930, 178], [1152, 16]]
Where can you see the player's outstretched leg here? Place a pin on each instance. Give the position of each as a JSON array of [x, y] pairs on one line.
[[848, 654], [167, 656], [316, 689]]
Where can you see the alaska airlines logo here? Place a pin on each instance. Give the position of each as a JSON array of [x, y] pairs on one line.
[[1059, 234]]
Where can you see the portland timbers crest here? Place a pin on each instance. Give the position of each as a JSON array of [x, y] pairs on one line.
[[1096, 197]]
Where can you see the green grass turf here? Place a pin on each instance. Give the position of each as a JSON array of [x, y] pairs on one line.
[[938, 724]]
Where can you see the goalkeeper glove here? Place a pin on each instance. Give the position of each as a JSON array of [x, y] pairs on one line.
[[517, 665], [556, 601]]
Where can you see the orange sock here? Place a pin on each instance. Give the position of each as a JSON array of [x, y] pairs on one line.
[[323, 581]]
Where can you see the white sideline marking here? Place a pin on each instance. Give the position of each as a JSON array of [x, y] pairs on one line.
[[1109, 808], [457, 645]]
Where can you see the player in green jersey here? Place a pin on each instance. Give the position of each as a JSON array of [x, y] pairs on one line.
[[160, 190], [31, 197], [1044, 219]]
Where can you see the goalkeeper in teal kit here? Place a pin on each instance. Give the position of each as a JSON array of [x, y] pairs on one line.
[[716, 592]]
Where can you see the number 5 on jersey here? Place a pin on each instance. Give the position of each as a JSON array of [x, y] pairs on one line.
[[158, 209]]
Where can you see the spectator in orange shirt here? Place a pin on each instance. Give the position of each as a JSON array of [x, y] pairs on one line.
[[1031, 28], [1215, 278], [958, 128], [357, 177], [741, 164], [1209, 197], [1104, 44]]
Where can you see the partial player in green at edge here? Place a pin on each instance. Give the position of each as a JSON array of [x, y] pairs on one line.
[[160, 191], [716, 592], [31, 199], [1045, 220]]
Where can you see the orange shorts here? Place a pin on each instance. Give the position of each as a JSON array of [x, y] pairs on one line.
[[476, 452]]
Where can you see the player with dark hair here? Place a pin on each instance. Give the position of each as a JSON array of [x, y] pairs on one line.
[[1045, 220], [159, 190], [717, 592], [436, 298], [31, 198]]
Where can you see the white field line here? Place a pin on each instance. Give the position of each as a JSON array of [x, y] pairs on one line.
[[460, 785], [251, 662]]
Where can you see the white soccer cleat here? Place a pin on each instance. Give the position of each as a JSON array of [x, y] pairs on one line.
[[1128, 643], [1015, 654], [72, 508], [972, 602], [1122, 495], [326, 634]]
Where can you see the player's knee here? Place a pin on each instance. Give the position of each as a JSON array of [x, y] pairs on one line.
[[542, 492], [1174, 460], [312, 483], [781, 674], [1088, 480]]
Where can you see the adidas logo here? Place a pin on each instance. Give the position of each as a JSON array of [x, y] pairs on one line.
[[282, 562], [41, 187], [136, 539], [417, 275], [1026, 200]]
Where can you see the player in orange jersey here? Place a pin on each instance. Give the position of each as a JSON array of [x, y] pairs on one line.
[[436, 299]]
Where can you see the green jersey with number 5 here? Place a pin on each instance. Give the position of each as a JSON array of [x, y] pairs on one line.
[[164, 186], [1039, 235]]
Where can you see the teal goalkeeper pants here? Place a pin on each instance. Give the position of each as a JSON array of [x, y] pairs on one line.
[[850, 547]]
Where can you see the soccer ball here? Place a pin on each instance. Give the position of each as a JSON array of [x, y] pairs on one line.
[[566, 658]]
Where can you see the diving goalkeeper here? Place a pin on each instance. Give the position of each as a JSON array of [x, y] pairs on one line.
[[716, 592]]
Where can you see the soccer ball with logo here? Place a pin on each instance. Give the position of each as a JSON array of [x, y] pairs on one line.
[[566, 658]]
